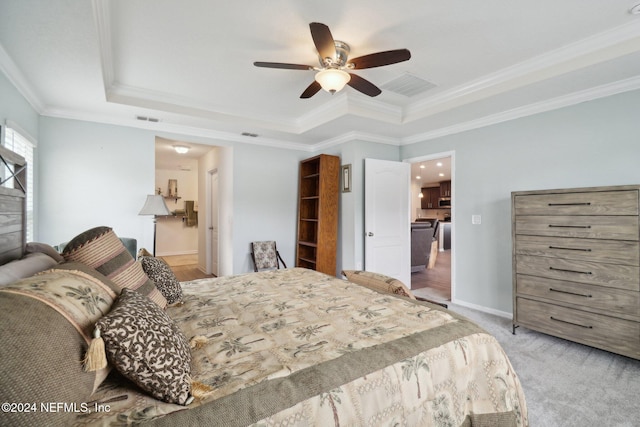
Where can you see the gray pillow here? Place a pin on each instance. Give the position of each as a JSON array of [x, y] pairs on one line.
[[40, 361], [24, 267], [146, 346], [35, 247]]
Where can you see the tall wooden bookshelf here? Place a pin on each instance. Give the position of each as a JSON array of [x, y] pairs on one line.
[[318, 213]]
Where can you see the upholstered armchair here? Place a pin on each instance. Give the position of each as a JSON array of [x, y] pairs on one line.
[[421, 240]]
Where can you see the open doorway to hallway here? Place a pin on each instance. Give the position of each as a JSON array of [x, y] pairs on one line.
[[432, 202]]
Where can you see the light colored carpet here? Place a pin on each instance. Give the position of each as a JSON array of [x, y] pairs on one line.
[[567, 384]]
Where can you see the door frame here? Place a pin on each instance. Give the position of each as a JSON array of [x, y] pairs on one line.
[[435, 156], [209, 248]]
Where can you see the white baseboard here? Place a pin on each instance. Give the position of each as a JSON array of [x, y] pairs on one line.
[[484, 309]]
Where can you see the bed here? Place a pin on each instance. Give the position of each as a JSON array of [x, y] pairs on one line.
[[285, 347]]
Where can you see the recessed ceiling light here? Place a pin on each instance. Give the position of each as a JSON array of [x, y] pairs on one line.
[[421, 166], [418, 177], [635, 10], [181, 149], [439, 164], [440, 174]]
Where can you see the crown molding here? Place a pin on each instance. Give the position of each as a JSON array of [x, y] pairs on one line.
[[182, 130], [600, 47], [101, 18], [355, 136], [15, 76], [574, 98], [160, 101]]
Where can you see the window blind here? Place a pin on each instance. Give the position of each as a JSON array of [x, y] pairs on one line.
[[20, 144]]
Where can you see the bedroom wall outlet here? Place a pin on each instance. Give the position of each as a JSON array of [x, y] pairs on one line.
[[476, 219]]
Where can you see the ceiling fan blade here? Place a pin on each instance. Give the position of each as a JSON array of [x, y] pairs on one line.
[[311, 90], [363, 85], [282, 65], [323, 40], [380, 58]]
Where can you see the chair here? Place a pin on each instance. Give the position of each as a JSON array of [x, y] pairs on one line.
[[421, 242], [265, 256]]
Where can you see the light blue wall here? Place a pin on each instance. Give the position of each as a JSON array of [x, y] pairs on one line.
[[265, 201], [591, 144], [94, 174], [351, 224]]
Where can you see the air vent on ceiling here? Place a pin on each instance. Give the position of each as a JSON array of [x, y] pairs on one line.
[[252, 135], [148, 119], [408, 85]]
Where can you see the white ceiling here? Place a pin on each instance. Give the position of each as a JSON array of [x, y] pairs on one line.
[[189, 64]]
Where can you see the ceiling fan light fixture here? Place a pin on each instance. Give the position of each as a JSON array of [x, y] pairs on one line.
[[181, 149], [332, 80]]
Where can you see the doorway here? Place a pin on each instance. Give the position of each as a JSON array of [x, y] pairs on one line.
[[433, 202]]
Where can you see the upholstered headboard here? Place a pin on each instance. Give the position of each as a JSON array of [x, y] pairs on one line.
[[13, 174]]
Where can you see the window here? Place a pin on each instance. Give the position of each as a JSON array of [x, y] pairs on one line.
[[17, 142]]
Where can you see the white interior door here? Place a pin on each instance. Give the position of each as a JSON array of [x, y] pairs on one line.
[[387, 218], [212, 224]]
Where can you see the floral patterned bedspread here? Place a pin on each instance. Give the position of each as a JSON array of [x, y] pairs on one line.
[[297, 347]]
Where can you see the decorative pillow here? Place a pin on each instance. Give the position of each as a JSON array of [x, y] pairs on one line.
[[160, 273], [24, 267], [40, 361], [378, 282], [78, 267], [35, 247], [146, 346], [47, 322], [101, 249]]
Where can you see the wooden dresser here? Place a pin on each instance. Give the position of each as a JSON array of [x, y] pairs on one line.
[[576, 265]]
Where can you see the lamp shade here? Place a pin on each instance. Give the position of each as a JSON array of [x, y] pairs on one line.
[[155, 205], [332, 80]]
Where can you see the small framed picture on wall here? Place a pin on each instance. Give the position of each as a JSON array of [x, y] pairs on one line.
[[346, 178]]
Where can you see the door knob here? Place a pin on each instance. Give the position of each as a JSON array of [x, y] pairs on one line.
[[370, 234]]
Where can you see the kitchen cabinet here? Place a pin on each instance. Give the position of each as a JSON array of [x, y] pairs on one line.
[[430, 197], [445, 189], [318, 213]]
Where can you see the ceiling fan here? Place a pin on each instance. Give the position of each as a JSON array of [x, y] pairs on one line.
[[333, 72]]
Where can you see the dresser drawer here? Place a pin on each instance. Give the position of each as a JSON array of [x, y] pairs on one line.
[[607, 275], [624, 202], [615, 301], [608, 333], [588, 227], [609, 251]]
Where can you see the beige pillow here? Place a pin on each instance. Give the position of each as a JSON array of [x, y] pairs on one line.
[[101, 249], [378, 282]]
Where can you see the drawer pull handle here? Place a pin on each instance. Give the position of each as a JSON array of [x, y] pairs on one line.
[[571, 204], [569, 271], [570, 323], [571, 293], [570, 249], [568, 226]]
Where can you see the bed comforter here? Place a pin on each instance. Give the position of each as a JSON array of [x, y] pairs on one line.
[[296, 347]]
